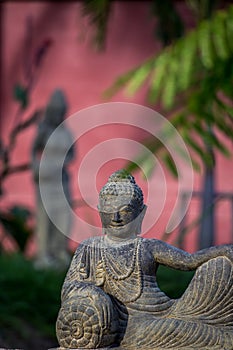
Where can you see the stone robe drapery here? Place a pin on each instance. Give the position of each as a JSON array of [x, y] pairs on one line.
[[148, 319]]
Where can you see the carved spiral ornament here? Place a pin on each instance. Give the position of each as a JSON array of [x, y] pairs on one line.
[[80, 324]]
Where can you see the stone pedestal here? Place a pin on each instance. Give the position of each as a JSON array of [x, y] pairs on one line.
[[116, 348]]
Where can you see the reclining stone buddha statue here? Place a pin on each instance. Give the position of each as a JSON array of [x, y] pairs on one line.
[[110, 296]]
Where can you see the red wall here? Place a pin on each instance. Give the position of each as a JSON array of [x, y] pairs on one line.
[[73, 65]]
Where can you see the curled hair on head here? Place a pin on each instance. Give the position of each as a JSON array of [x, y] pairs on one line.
[[122, 183], [121, 176]]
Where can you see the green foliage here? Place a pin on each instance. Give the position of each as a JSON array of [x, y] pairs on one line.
[[139, 77], [15, 223], [173, 282], [201, 48], [97, 12], [193, 78], [170, 25], [21, 95], [32, 297], [29, 295]]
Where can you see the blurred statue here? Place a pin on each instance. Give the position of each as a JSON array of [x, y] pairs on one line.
[[52, 243], [110, 296]]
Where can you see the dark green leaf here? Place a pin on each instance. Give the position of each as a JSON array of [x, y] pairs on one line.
[[201, 152], [169, 91], [212, 140], [205, 44], [169, 22], [119, 84], [15, 224], [21, 95], [157, 77], [97, 12], [219, 36], [187, 61], [226, 108], [195, 165], [170, 164], [229, 27], [188, 75], [148, 166], [139, 77]]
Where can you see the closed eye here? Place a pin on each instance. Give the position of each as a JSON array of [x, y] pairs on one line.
[[126, 208]]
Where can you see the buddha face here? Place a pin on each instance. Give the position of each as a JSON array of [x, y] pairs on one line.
[[119, 216]]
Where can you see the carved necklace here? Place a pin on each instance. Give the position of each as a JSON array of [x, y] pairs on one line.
[[131, 268], [135, 268]]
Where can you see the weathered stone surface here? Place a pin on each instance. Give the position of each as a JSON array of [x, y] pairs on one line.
[[110, 296], [54, 220]]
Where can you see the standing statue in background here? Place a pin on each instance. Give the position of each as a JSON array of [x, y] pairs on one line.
[[110, 296], [52, 249]]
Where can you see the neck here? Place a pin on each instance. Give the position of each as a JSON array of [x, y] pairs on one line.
[[119, 240]]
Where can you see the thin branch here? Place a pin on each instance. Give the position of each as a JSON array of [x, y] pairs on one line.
[[9, 170]]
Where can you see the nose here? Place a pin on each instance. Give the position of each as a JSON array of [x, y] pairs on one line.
[[117, 217]]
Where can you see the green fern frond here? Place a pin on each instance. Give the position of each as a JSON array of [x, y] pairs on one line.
[[229, 28], [139, 77], [158, 75], [173, 73], [187, 60], [148, 166], [144, 162], [120, 82], [225, 109], [97, 12], [196, 166], [195, 68], [169, 162], [220, 40], [199, 150], [212, 140], [170, 83], [205, 44]]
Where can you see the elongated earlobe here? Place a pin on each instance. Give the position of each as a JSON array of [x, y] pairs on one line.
[[140, 220]]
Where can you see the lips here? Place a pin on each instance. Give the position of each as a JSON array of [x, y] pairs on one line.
[[116, 225]]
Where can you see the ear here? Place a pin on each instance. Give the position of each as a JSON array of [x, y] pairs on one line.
[[143, 212], [140, 219]]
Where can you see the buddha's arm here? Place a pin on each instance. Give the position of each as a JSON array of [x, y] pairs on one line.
[[73, 273], [82, 270], [78, 284], [179, 259], [78, 271]]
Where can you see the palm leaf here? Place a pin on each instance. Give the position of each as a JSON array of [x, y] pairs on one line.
[[189, 75], [219, 33], [138, 78], [205, 44], [172, 70], [97, 11]]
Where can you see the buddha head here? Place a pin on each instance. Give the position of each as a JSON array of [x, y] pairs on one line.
[[121, 206]]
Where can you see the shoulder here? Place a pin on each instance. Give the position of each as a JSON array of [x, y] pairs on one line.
[[151, 243], [84, 248], [90, 242]]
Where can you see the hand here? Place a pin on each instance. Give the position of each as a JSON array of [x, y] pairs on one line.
[[100, 274], [229, 252]]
